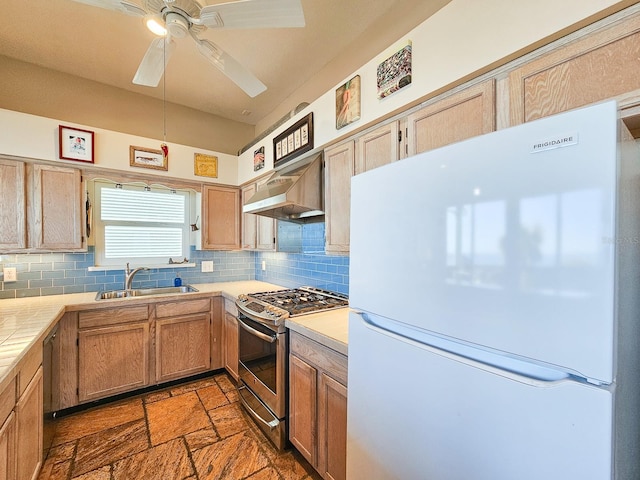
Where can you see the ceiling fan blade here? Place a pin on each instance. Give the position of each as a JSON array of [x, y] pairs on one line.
[[241, 76], [117, 5], [154, 61], [254, 14]]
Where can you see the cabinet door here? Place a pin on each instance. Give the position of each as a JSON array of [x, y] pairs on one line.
[[183, 346], [466, 114], [221, 212], [8, 448], [378, 148], [56, 206], [112, 360], [217, 333], [332, 428], [265, 229], [303, 407], [599, 66], [29, 429], [249, 220], [231, 356], [13, 218], [258, 232], [339, 168]]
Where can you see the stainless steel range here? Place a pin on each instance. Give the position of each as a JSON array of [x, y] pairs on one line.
[[263, 350]]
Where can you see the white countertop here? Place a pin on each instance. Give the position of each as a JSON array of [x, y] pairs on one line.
[[26, 321]]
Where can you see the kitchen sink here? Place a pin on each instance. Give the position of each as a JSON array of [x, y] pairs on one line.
[[141, 292]]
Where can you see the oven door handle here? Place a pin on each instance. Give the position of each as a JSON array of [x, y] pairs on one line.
[[253, 331]]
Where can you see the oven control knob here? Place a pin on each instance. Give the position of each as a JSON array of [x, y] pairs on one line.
[[273, 311]]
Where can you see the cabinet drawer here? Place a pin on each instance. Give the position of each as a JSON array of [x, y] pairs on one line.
[[183, 307], [112, 316], [28, 367], [7, 400], [319, 356]]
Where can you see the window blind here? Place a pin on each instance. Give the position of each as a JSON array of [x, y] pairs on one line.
[[142, 224]]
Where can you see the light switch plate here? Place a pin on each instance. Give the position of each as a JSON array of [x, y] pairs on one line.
[[10, 274], [207, 266]]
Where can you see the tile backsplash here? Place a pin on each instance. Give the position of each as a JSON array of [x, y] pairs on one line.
[[58, 273]]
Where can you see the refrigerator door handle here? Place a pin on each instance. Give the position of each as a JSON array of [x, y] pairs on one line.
[[504, 364]]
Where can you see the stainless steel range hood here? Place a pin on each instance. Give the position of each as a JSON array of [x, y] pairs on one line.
[[293, 194]]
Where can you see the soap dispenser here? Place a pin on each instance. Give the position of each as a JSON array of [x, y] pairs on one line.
[[177, 282]]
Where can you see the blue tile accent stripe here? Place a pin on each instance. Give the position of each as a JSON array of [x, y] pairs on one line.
[[58, 273]]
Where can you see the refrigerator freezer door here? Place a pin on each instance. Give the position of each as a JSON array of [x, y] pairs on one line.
[[465, 422], [503, 240]]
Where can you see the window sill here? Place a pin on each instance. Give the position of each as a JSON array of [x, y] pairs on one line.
[[105, 268]]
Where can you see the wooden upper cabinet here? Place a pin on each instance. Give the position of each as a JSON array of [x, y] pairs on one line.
[[56, 204], [258, 232], [249, 221], [339, 168], [13, 220], [465, 114], [598, 66], [41, 208], [221, 212], [378, 147]]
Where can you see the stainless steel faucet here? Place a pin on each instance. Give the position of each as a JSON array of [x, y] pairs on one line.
[[129, 274]]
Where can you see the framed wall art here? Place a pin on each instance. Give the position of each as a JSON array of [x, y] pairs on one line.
[[258, 159], [75, 144], [205, 165], [294, 141], [148, 158], [348, 103], [394, 73]]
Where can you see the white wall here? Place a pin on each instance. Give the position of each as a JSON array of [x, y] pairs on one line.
[[31, 136], [462, 38]]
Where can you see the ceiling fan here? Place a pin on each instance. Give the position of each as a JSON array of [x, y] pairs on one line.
[[179, 18]]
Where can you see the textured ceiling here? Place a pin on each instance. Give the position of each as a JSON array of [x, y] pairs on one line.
[[107, 46]]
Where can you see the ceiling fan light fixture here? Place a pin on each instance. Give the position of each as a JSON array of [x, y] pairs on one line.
[[177, 25], [155, 25]]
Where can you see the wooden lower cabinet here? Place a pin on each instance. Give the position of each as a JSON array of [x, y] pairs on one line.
[[112, 360], [29, 431], [231, 356], [332, 427], [318, 405], [303, 408], [8, 448], [183, 346]]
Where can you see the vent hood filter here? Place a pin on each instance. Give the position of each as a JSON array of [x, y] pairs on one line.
[[293, 193]]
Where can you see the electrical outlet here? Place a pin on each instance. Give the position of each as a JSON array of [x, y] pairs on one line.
[[207, 266], [10, 274], [264, 265]]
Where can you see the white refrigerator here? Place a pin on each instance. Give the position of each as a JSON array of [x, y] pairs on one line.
[[495, 295]]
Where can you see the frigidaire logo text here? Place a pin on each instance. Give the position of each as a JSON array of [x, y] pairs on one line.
[[554, 142]]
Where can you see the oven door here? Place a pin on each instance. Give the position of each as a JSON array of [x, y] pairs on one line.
[[263, 363]]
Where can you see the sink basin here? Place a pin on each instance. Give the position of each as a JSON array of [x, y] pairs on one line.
[[140, 292]]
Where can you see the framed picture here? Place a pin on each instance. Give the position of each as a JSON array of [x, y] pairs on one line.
[[294, 141], [395, 72], [258, 159], [348, 103], [205, 165], [75, 144], [148, 158]]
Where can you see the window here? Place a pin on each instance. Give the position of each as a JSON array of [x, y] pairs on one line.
[[140, 224]]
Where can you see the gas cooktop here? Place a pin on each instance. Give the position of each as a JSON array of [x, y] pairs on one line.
[[277, 305]]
